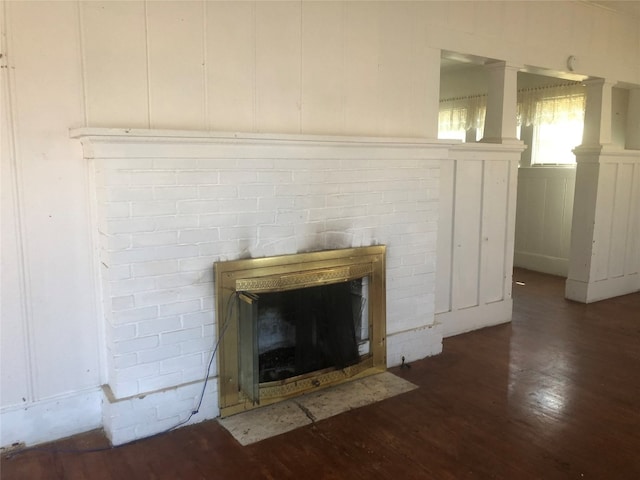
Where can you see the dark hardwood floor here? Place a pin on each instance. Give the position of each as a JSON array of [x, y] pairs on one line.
[[553, 395]]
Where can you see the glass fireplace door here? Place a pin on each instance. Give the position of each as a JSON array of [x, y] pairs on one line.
[[248, 346]]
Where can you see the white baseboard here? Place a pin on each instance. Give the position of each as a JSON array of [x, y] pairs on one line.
[[414, 344], [584, 292], [473, 318], [132, 418], [541, 263], [52, 418]]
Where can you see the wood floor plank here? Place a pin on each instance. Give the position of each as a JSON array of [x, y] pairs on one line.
[[555, 394]]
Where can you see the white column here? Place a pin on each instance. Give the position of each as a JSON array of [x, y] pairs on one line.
[[597, 113], [500, 124], [632, 135], [604, 257]]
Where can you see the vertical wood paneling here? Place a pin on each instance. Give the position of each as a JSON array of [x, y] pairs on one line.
[[521, 204], [52, 183], [510, 241], [567, 214], [176, 64], [605, 209], [397, 68], [115, 60], [494, 230], [604, 238], [632, 254], [543, 220], [582, 232], [445, 237], [231, 72], [361, 68], [278, 66], [323, 67], [476, 227], [425, 76], [620, 226], [14, 354], [535, 230], [466, 234], [553, 211]]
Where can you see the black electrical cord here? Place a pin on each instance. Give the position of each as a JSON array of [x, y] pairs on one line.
[[229, 309]]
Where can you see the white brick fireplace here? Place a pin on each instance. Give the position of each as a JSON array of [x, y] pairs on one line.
[[171, 203]]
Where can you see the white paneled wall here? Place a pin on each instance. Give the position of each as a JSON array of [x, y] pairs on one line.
[[50, 327], [475, 236], [309, 67], [543, 218], [605, 237]]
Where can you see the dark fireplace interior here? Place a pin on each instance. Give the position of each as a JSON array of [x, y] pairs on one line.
[[309, 329]]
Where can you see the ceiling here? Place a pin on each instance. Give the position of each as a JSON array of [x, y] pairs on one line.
[[628, 7]]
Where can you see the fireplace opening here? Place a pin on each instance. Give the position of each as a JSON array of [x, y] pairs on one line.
[[302, 322], [310, 329]]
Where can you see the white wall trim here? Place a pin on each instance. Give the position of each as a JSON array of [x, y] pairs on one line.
[[542, 263], [143, 143], [462, 321], [51, 419], [600, 290]]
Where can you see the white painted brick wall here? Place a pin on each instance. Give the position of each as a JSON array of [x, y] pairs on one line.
[[167, 220]]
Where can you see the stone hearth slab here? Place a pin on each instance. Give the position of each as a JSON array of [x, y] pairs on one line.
[[262, 423]]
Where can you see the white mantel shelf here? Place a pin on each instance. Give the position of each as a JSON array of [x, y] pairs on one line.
[[216, 135]]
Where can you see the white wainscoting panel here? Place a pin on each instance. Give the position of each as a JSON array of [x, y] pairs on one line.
[[476, 236], [605, 241], [543, 218]]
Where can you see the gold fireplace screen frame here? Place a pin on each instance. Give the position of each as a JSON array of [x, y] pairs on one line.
[[288, 272]]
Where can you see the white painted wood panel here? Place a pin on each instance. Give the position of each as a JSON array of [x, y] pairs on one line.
[[323, 67], [14, 351], [605, 206], [467, 219], [396, 68], [115, 62], [605, 225], [620, 225], [543, 219], [408, 72], [362, 95], [278, 64], [175, 38], [52, 184], [231, 72], [632, 254], [476, 236], [495, 221], [444, 255]]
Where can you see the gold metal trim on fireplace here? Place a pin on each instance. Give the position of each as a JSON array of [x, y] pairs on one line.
[[287, 272], [312, 278]]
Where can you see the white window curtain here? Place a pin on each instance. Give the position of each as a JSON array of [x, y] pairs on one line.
[[462, 113], [551, 104], [541, 106]]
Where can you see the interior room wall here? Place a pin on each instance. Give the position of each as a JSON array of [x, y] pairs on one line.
[[348, 68]]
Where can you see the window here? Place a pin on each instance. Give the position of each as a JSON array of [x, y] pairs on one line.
[[557, 116], [553, 142]]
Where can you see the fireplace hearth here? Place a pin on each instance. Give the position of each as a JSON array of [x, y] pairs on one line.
[[296, 323]]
